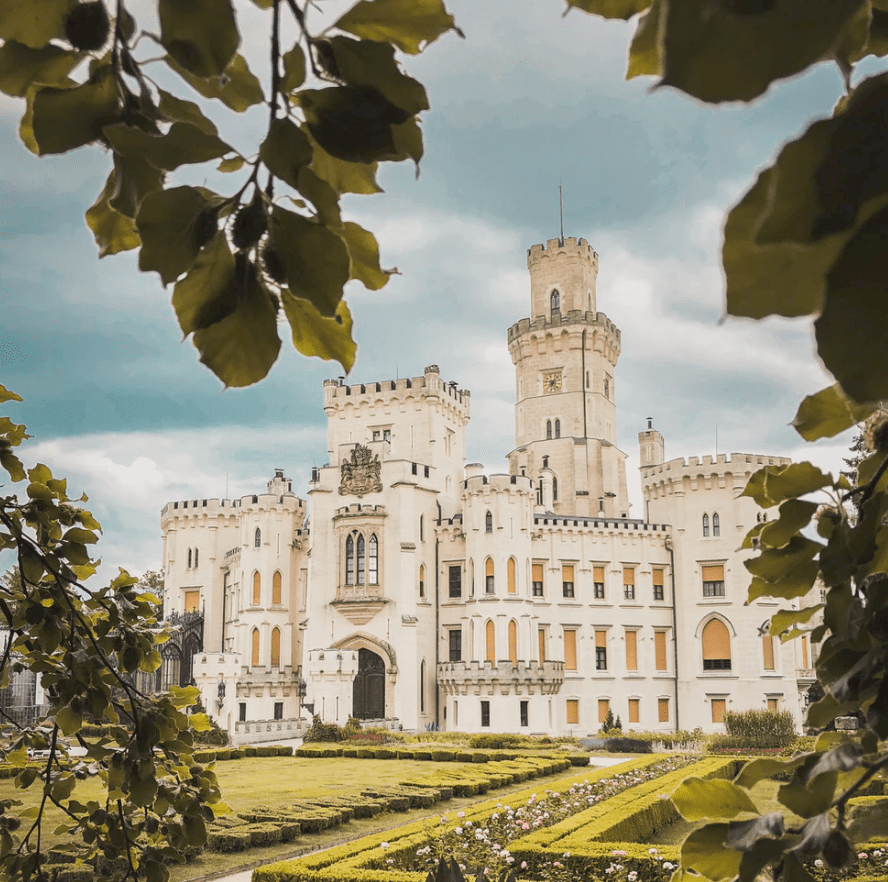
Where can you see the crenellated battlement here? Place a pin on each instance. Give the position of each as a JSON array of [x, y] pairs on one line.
[[561, 247], [359, 509], [574, 321], [740, 465], [430, 385], [485, 485], [211, 508]]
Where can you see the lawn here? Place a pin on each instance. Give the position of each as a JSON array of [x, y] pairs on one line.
[[256, 781]]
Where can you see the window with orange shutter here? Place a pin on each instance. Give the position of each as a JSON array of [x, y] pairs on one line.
[[257, 589], [573, 711], [634, 705], [716, 647], [660, 650], [541, 637], [663, 710], [567, 580], [629, 583], [598, 583], [192, 601], [718, 710], [276, 588], [570, 650], [537, 580], [513, 642], [601, 650], [490, 641], [603, 708], [488, 577], [768, 652], [276, 648], [714, 581], [658, 584], [631, 650], [254, 654], [772, 704], [512, 579]]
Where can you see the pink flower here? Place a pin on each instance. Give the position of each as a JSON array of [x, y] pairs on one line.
[[460, 814], [861, 855], [523, 865], [618, 852]]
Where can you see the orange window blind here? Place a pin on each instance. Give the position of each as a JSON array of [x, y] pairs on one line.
[[567, 573], [631, 650], [714, 574], [658, 577], [254, 655], [601, 639], [192, 601], [573, 711], [598, 574], [804, 652], [660, 650], [541, 637], [513, 588], [276, 588], [513, 642], [257, 589], [634, 704], [718, 710], [772, 704], [663, 710], [488, 567], [276, 648], [628, 575], [716, 641], [537, 572], [570, 650], [768, 652], [490, 640], [603, 707]]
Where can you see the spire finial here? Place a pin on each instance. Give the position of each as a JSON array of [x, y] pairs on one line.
[[561, 210]]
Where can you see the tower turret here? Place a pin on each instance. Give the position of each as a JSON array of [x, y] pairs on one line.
[[651, 447]]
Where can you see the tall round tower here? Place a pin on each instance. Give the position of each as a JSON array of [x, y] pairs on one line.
[[565, 356]]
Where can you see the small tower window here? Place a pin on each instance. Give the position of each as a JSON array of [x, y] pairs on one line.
[[554, 489], [196, 556], [555, 301], [706, 525], [607, 389], [488, 523], [189, 558], [360, 560], [373, 562], [716, 527], [548, 429], [557, 428], [257, 538], [349, 560]]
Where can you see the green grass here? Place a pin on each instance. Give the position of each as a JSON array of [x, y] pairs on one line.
[[255, 781]]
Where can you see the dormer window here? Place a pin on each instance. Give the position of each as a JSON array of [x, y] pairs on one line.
[[555, 301]]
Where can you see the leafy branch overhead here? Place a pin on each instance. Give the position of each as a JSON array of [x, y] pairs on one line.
[[276, 249]]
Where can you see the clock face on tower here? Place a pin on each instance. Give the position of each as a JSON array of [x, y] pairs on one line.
[[552, 382]]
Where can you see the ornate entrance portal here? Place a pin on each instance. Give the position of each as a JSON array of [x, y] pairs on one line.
[[369, 687]]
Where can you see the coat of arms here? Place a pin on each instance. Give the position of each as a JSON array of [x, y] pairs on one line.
[[360, 475]]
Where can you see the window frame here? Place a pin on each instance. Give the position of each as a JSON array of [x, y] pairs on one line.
[[485, 714], [454, 644], [454, 581]]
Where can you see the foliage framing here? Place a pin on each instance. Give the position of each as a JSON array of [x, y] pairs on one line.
[[807, 239], [273, 248]]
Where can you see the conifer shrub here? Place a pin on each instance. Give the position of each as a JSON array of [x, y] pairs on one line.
[[762, 729], [627, 745], [321, 731]]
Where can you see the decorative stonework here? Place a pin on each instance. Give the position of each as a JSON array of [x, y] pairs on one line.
[[359, 611], [360, 474]]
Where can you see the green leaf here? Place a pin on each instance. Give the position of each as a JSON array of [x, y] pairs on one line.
[[324, 198], [353, 123], [232, 164], [316, 259], [134, 179], [809, 800], [645, 51], [790, 618], [773, 484], [208, 293], [6, 395], [70, 722], [363, 252], [408, 24], [183, 144], [241, 348], [408, 142], [166, 223], [22, 67], [64, 119], [827, 413], [18, 757], [285, 151], [794, 515], [758, 769], [13, 466], [317, 335], [294, 69], [33, 22], [774, 563], [342, 176], [823, 712], [365, 63], [611, 8], [201, 35], [78, 534], [852, 331], [793, 583], [199, 722], [113, 232], [238, 88], [696, 799], [175, 108], [719, 53], [704, 852]]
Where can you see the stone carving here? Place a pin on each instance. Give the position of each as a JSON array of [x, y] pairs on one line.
[[360, 475]]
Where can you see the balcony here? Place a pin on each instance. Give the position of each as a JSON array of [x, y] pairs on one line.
[[806, 676], [359, 603], [501, 678]]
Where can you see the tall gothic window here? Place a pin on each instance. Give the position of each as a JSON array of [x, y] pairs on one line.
[[555, 301], [276, 648], [257, 588], [706, 525], [557, 428], [196, 556], [254, 647], [373, 562], [716, 527], [488, 523], [189, 558], [349, 560], [555, 489], [548, 429], [257, 538], [360, 560]]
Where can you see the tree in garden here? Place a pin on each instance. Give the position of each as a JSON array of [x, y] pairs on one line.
[[87, 644]]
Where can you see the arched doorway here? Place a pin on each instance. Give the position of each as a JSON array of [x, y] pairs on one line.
[[369, 687]]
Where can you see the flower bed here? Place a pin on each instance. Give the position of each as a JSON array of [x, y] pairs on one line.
[[379, 858]]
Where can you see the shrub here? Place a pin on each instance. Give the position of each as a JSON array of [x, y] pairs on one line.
[[321, 731], [760, 728], [628, 745], [498, 741], [212, 736]]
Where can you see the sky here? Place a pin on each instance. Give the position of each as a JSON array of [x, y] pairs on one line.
[[530, 99]]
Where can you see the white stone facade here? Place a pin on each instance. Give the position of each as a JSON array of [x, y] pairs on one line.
[[424, 593]]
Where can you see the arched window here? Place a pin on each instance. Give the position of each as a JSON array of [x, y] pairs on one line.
[[275, 647], [422, 669], [349, 560], [548, 429], [716, 646], [488, 576], [587, 379], [488, 523], [422, 581], [554, 489], [716, 527], [490, 642], [360, 560], [373, 562], [257, 588], [257, 538], [254, 647], [511, 571], [557, 428], [513, 642], [706, 525], [276, 588], [421, 531], [607, 389], [555, 301], [189, 558], [196, 556]]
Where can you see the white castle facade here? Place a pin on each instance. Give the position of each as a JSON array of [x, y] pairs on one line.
[[422, 593]]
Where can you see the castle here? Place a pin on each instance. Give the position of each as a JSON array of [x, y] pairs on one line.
[[423, 593]]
